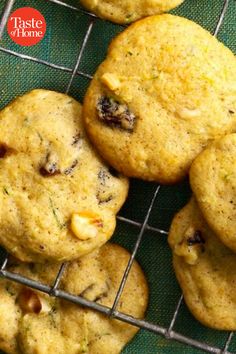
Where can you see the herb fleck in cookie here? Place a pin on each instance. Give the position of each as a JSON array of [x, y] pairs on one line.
[[166, 88], [32, 322], [126, 11], [58, 198], [213, 180], [205, 269]]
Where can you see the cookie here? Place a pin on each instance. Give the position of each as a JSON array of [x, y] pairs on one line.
[[160, 97], [127, 11], [58, 198], [42, 324], [213, 180], [205, 269]]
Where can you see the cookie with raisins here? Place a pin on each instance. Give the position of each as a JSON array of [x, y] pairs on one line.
[[205, 269], [165, 89], [213, 180], [127, 11], [33, 322], [58, 198]]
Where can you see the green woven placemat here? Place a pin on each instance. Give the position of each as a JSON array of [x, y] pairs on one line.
[[65, 31]]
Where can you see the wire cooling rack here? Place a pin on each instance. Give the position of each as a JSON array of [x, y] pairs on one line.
[[54, 290]]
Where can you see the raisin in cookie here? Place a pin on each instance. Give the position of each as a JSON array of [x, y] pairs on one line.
[[58, 198], [166, 88], [213, 180], [205, 269], [126, 11], [32, 322]]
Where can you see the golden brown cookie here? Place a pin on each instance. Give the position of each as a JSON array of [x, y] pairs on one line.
[[58, 199], [126, 11], [205, 269], [41, 324], [213, 180], [165, 89]]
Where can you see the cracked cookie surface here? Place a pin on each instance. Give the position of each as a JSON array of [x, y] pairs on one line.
[[65, 328], [165, 90], [54, 203], [205, 269]]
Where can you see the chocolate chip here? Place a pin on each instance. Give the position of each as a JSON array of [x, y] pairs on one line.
[[114, 113], [196, 239], [70, 169], [3, 151], [231, 111]]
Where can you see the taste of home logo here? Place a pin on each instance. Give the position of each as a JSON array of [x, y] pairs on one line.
[[26, 26]]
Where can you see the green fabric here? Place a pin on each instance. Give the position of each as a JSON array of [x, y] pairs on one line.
[[65, 31]]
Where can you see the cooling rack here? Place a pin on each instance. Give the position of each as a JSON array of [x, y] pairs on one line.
[[54, 290]]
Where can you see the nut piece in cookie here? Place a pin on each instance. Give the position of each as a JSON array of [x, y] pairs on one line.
[[205, 269], [86, 224], [29, 301]]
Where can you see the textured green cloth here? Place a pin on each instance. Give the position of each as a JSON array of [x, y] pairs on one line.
[[65, 31]]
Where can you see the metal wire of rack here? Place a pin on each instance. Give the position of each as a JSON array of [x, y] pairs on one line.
[[54, 290]]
